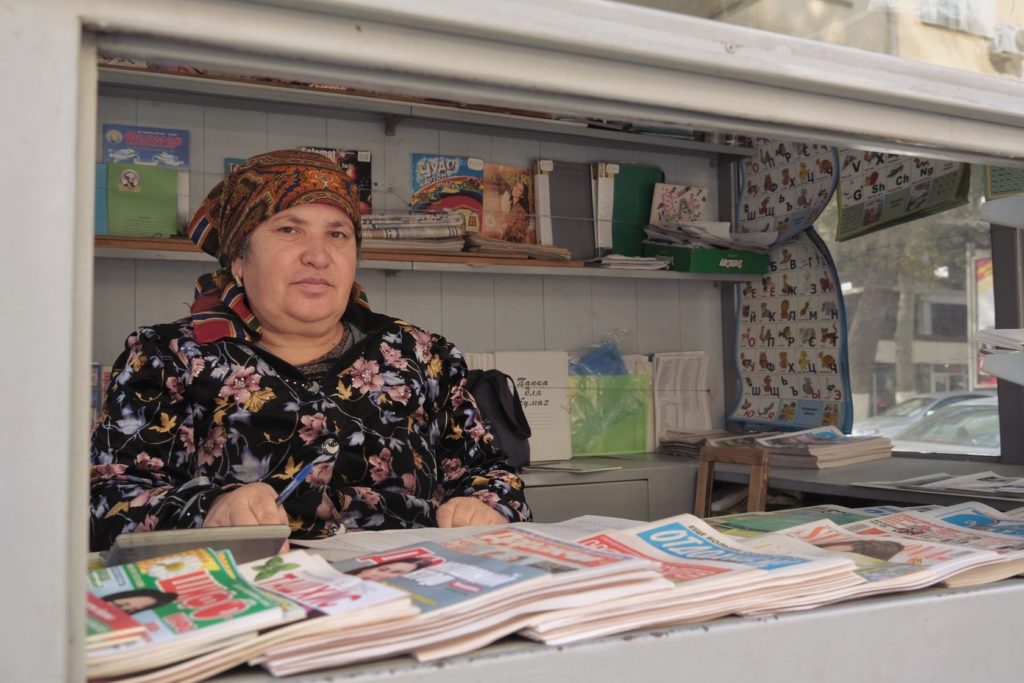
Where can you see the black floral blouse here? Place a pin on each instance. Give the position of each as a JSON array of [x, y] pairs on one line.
[[389, 435]]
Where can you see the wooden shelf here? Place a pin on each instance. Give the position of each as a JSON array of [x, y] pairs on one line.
[[180, 249]]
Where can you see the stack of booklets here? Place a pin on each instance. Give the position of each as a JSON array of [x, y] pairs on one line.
[[488, 246], [441, 232], [817, 448]]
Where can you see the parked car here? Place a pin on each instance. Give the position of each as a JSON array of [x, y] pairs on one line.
[[907, 412], [964, 428]]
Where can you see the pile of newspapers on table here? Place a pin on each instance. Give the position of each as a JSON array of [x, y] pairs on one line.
[[370, 595]]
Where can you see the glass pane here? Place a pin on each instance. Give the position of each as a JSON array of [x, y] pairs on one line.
[[915, 293], [979, 36]]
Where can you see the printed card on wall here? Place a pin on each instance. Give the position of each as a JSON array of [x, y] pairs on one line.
[[880, 190], [149, 146], [673, 204], [791, 334], [784, 187], [542, 382], [358, 166], [442, 182], [508, 212]]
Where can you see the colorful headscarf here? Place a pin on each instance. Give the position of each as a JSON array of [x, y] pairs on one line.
[[262, 186], [257, 189]]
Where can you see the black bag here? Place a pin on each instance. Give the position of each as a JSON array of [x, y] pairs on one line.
[[498, 402]]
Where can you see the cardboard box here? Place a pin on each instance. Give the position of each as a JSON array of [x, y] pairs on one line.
[[710, 259]]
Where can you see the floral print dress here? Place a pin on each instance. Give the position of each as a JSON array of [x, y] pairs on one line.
[[386, 437]]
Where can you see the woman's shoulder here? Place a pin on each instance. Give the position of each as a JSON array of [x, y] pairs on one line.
[[163, 335]]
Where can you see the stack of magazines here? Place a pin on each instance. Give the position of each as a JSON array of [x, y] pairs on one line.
[[817, 448], [442, 232], [194, 614]]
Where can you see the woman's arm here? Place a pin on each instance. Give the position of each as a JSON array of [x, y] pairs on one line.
[[143, 452]]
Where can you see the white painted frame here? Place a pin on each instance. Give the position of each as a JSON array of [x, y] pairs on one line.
[[612, 60]]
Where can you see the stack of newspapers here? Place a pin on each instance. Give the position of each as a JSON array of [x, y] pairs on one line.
[[434, 593], [442, 232]]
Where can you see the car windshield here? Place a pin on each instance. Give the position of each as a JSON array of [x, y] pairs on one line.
[[908, 407], [961, 425]]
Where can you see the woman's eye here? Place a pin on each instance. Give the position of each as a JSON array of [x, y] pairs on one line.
[[338, 234], [288, 229]]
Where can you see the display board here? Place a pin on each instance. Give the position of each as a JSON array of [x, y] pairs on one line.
[[881, 190], [791, 353], [784, 187]]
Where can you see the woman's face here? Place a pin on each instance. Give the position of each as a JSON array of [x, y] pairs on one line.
[[386, 571], [299, 268], [134, 603]]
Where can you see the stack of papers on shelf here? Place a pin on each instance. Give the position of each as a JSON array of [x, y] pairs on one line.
[[449, 245], [486, 246], [1007, 338], [987, 484], [705, 234], [631, 262]]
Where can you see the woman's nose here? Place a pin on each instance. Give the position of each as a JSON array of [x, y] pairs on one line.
[[315, 252]]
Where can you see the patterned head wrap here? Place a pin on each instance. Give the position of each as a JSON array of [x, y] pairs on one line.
[[257, 189], [262, 186]]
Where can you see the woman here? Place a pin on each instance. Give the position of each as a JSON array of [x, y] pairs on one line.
[[284, 381]]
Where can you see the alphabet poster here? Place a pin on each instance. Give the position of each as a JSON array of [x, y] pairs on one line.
[[791, 338], [784, 187], [880, 190]]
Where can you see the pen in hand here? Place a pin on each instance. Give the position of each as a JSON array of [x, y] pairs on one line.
[[300, 477]]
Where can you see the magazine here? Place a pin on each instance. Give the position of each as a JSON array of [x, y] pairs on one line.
[[712, 574], [471, 591], [185, 601], [508, 207], [979, 516], [449, 183]]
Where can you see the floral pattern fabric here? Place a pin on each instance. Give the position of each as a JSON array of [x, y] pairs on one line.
[[389, 435]]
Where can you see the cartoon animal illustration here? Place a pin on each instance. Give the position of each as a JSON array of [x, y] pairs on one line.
[[787, 287], [752, 189], [749, 290], [787, 179], [803, 201], [829, 337], [830, 309], [871, 178], [808, 387], [767, 284], [746, 404], [828, 362], [803, 311], [831, 414], [804, 361], [787, 334], [826, 285], [766, 337], [784, 363], [784, 312], [825, 166], [763, 209], [804, 172], [808, 336], [750, 385], [783, 225], [766, 410], [788, 412], [767, 314], [768, 184], [786, 256], [767, 383], [762, 360]]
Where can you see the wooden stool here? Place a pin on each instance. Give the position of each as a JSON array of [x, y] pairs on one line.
[[755, 458]]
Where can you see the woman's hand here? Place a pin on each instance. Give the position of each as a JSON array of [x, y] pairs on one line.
[[245, 506], [467, 511]]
